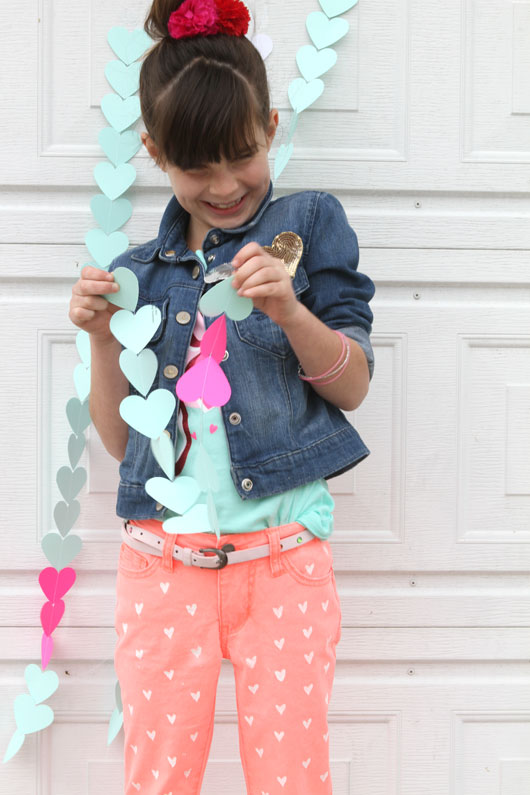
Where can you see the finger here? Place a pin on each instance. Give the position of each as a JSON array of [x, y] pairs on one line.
[[250, 250], [93, 287], [95, 302], [79, 315], [260, 276], [266, 290], [90, 272]]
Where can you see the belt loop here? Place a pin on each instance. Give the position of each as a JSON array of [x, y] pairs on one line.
[[273, 534], [167, 554]]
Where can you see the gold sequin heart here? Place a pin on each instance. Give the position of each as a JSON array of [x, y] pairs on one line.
[[288, 247]]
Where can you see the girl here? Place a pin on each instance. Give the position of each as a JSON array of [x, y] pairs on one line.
[[303, 354]]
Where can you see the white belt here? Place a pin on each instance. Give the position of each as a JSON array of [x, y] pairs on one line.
[[145, 541]]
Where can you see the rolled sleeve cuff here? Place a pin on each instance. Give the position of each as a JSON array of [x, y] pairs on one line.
[[362, 337]]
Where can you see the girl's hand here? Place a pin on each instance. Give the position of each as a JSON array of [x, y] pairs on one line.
[[88, 309], [263, 278]]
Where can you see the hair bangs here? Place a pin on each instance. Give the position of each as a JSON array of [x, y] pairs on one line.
[[211, 113]]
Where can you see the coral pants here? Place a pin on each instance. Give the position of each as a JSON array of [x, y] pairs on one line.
[[277, 618]]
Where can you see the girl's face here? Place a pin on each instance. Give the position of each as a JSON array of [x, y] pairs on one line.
[[224, 194]]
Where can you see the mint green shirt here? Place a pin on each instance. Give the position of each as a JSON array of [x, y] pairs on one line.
[[311, 504]]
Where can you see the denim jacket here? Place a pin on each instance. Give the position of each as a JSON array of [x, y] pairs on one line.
[[281, 433]]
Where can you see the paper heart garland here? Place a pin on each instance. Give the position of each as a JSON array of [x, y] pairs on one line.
[[139, 368], [179, 495], [128, 46], [119, 147], [110, 214], [55, 584], [223, 298], [324, 31], [150, 415], [127, 295], [135, 330]]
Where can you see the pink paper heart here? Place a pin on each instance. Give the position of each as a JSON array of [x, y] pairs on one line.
[[213, 428], [46, 648], [213, 342], [51, 614], [204, 380], [56, 583]]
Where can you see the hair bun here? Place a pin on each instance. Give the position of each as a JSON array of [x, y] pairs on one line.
[[157, 19]]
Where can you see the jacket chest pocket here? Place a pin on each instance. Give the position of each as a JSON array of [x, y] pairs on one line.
[[261, 332]]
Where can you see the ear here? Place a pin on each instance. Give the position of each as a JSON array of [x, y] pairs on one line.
[[151, 147], [274, 119]]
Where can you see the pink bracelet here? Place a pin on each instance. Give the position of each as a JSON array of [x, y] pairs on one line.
[[331, 370], [339, 371]]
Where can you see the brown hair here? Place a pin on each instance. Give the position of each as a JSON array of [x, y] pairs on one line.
[[201, 97]]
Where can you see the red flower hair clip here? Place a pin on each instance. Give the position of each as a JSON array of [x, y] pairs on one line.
[[207, 17]]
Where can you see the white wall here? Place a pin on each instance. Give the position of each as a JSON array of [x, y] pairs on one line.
[[423, 134]]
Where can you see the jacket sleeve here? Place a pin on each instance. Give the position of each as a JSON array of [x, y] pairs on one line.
[[338, 293]]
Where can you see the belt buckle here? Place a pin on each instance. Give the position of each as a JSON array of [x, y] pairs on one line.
[[221, 554]]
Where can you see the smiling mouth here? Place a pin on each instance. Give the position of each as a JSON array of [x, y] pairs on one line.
[[228, 206]]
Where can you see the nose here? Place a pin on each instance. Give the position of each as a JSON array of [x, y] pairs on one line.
[[223, 186]]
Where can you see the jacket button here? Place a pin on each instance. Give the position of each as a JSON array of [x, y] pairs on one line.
[[235, 418], [225, 356], [215, 239], [195, 272], [168, 433], [210, 257], [169, 253], [247, 484], [159, 506], [171, 371], [183, 318]]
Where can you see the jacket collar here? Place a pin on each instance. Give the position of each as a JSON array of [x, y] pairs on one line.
[[172, 230]]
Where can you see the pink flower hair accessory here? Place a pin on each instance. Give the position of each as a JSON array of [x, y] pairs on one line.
[[208, 17]]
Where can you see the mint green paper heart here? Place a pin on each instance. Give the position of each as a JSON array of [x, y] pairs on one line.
[[140, 369], [164, 452], [125, 80], [148, 415], [114, 181], [121, 113], [283, 156], [110, 215], [177, 495], [78, 414], [313, 63], [194, 521], [82, 381], [41, 684], [29, 717], [104, 248], [70, 482], [223, 298], [333, 8], [76, 445], [302, 94], [135, 331], [324, 31], [117, 695], [292, 128], [66, 515], [119, 147], [128, 46], [15, 744], [127, 295], [60, 551], [82, 342], [115, 724]]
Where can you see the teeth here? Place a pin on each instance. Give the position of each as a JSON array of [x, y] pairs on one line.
[[225, 206]]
